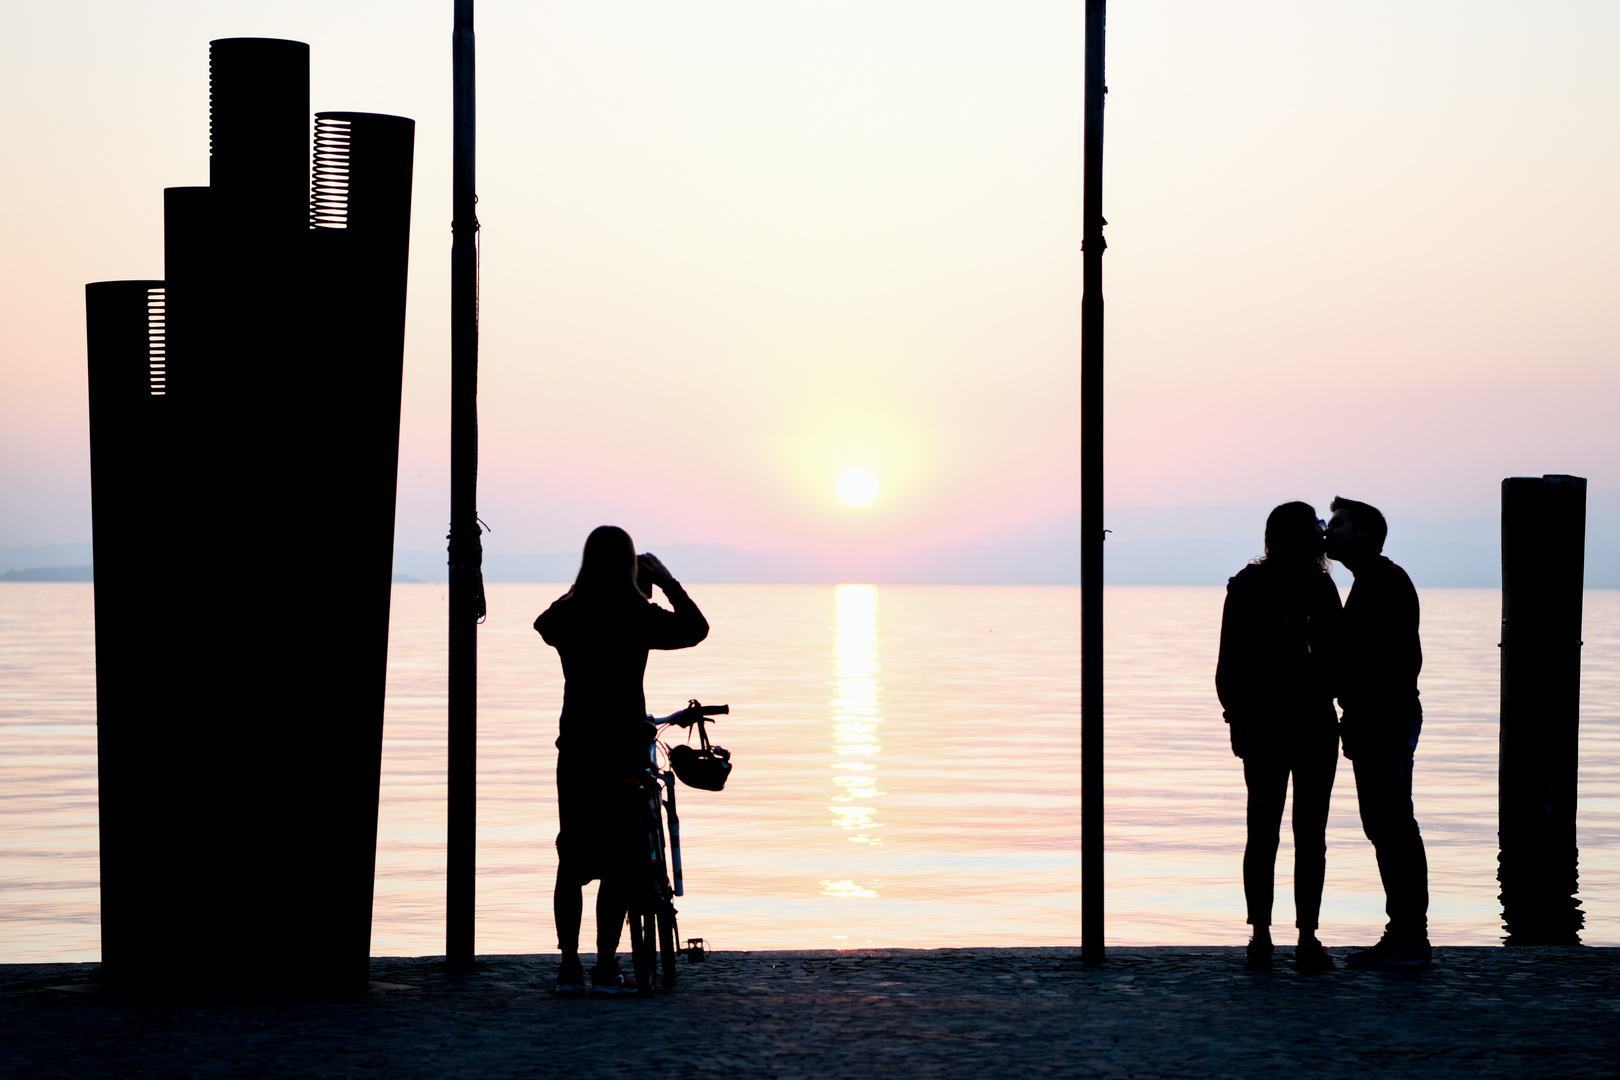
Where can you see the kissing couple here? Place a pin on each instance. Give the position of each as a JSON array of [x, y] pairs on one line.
[[1288, 650]]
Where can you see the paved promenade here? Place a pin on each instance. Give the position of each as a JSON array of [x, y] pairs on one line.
[[1001, 1013]]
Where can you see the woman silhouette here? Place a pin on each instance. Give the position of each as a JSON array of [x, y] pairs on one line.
[[602, 629], [1279, 642]]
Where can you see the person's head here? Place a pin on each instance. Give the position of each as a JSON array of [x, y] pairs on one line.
[[1294, 537], [1355, 530], [607, 570]]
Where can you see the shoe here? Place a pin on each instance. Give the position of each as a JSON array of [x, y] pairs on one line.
[[613, 983], [1257, 957], [570, 979], [1310, 958], [1393, 954]]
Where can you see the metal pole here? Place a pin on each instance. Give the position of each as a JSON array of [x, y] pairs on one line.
[[465, 550], [1091, 502]]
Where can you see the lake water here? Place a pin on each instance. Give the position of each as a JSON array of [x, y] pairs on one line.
[[907, 772]]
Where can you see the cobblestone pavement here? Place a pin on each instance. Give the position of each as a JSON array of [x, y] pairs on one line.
[[1164, 1012]]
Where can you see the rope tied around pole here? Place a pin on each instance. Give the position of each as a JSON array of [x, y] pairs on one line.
[[467, 554]]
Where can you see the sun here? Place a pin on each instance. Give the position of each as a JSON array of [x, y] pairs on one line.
[[857, 487]]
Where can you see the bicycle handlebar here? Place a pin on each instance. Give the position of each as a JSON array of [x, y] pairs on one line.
[[693, 713]]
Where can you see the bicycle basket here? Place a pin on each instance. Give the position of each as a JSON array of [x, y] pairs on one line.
[[705, 767]]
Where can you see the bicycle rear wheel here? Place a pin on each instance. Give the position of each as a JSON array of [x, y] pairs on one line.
[[666, 941], [643, 946]]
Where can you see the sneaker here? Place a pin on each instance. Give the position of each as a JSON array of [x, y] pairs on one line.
[[613, 983], [1310, 958], [1393, 954], [570, 979], [1257, 957]]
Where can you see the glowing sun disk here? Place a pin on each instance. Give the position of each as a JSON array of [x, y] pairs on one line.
[[857, 487]]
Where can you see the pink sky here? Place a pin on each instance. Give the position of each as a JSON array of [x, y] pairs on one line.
[[734, 248]]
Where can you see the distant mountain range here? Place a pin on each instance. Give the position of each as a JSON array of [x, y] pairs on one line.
[[1054, 562], [50, 573], [1196, 545], [1205, 545], [47, 562]]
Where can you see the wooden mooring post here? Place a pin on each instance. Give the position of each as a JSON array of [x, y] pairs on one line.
[[1543, 570]]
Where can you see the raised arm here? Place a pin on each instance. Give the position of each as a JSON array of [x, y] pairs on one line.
[[678, 629]]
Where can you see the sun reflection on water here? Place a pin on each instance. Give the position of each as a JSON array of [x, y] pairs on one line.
[[856, 718], [844, 888]]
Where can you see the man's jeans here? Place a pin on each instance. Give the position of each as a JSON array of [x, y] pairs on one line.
[[1380, 747]]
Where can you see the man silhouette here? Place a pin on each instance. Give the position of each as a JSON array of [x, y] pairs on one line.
[[1378, 692]]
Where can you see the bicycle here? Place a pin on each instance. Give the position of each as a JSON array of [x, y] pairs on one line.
[[652, 909]]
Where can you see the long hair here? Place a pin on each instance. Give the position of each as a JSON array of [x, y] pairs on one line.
[[607, 569], [1293, 540]]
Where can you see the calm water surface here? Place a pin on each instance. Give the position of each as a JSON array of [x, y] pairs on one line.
[[907, 772]]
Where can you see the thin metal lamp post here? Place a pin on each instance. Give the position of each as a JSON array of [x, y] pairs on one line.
[[466, 555], [1091, 501]]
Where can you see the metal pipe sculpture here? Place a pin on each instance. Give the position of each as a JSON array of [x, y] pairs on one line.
[[1543, 570], [245, 421]]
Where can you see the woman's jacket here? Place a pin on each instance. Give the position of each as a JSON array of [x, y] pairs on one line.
[[603, 644], [1280, 648]]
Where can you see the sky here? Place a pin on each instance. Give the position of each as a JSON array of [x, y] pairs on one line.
[[732, 249]]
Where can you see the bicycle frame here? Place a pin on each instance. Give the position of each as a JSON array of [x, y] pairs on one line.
[[678, 884], [652, 911], [665, 842]]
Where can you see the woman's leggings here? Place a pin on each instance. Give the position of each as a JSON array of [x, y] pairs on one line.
[[597, 813], [1312, 762], [568, 906]]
